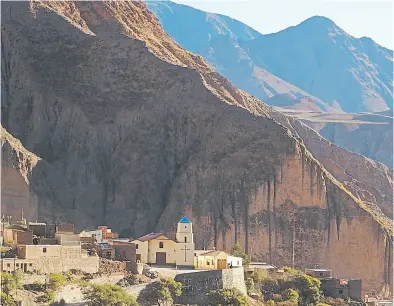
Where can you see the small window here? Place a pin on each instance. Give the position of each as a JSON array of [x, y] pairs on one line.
[[185, 239], [136, 246], [208, 263], [30, 265], [321, 274], [185, 226], [238, 263], [161, 244], [8, 265], [17, 265], [44, 250], [340, 291]]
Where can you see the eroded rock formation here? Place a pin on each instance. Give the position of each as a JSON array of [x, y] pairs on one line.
[[132, 129]]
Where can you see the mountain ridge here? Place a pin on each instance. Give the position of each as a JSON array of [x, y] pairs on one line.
[[361, 80], [134, 128]]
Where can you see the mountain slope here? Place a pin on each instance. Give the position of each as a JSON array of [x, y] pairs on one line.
[[133, 130], [218, 39], [317, 57]]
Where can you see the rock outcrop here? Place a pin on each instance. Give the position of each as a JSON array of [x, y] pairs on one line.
[[132, 129]]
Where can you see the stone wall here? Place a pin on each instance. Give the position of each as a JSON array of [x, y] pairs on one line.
[[198, 284], [89, 264], [234, 278], [112, 266]]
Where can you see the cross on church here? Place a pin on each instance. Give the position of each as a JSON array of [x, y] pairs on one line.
[[185, 249]]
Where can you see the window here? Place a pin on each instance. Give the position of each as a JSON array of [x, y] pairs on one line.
[[185, 226], [30, 265], [208, 263], [185, 239], [340, 291], [17, 265], [321, 274], [136, 246], [161, 244], [44, 250], [237, 262], [8, 265]]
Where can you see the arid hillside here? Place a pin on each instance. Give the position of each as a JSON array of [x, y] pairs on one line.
[[128, 129]]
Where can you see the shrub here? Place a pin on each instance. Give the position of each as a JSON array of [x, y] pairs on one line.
[[232, 297], [290, 295], [269, 287], [259, 275], [270, 303], [6, 299], [37, 286], [161, 292], [251, 288], [237, 251], [277, 297], [56, 280], [11, 281], [109, 295], [48, 297]]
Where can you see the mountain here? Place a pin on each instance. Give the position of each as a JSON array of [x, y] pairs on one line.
[[109, 121], [218, 39], [318, 59], [368, 134]]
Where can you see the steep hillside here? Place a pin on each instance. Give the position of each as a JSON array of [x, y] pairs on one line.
[[368, 134], [131, 130], [324, 61]]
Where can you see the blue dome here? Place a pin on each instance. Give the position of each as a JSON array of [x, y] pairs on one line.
[[185, 220]]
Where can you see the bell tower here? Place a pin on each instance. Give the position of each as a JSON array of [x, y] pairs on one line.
[[185, 243]]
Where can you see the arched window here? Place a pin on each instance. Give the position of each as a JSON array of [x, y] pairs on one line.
[[161, 244]]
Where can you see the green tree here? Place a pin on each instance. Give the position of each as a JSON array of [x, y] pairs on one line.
[[11, 281], [237, 251], [161, 292], [56, 281], [110, 295], [6, 299], [290, 295], [309, 288], [232, 297]]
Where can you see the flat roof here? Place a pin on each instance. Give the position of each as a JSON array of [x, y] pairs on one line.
[[319, 270]]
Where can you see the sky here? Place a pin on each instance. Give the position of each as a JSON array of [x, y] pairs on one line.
[[371, 18]]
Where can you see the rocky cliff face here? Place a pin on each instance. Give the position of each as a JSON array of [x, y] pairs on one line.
[[131, 129]]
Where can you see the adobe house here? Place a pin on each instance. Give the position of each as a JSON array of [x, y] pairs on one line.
[[156, 248], [39, 229], [124, 250], [319, 273], [211, 260]]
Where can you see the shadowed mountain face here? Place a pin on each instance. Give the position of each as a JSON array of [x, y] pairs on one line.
[[315, 58], [119, 125]]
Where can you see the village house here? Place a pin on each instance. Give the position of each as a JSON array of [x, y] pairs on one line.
[[156, 248], [335, 287], [48, 255], [124, 250], [211, 260]]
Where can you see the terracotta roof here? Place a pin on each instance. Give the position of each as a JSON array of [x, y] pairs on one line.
[[150, 236]]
